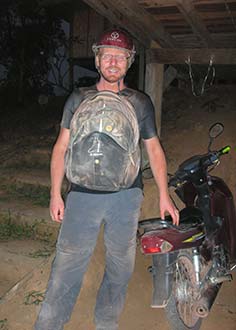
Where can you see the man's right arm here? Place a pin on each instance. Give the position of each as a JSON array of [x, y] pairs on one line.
[[57, 175]]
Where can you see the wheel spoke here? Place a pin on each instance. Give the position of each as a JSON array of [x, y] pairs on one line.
[[185, 282]]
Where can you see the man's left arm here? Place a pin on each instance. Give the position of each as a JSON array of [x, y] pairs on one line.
[[158, 165]]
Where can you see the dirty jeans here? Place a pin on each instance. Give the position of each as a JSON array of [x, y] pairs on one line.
[[84, 215]]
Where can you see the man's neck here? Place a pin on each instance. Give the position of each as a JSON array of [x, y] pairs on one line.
[[113, 87]]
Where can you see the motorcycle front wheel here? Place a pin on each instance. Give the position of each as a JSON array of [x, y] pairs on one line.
[[180, 308]]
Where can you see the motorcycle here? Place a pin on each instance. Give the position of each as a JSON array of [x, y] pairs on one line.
[[191, 261]]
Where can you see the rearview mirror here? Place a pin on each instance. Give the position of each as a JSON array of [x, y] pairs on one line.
[[214, 131]]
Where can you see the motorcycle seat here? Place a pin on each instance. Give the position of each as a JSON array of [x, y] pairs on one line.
[[189, 217]]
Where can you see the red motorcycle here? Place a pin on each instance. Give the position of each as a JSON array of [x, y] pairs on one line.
[[191, 261]]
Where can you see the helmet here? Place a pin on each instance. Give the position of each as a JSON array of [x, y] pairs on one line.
[[116, 38]]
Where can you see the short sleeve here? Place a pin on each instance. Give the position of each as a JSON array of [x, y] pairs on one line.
[[70, 106], [145, 113], [148, 122]]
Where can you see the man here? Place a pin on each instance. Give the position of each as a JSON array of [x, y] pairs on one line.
[[87, 209]]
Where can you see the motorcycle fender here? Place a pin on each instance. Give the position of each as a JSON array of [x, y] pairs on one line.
[[163, 267]]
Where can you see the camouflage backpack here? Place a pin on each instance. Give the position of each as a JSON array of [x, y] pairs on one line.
[[103, 152]]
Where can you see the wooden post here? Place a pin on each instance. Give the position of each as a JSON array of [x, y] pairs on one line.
[[154, 88], [141, 78], [71, 53]]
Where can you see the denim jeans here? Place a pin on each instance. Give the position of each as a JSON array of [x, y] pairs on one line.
[[84, 214]]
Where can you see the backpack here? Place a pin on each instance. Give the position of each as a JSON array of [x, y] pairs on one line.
[[103, 152]]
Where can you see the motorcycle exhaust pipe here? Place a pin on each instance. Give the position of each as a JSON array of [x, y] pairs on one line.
[[202, 306]]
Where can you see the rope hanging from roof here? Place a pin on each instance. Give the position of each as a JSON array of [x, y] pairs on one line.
[[210, 70]]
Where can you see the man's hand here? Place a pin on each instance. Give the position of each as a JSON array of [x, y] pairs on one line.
[[159, 169], [57, 175], [166, 205], [57, 208]]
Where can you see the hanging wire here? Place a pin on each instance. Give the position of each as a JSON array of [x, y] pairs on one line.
[[230, 14], [203, 87]]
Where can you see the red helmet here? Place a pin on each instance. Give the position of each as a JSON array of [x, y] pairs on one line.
[[116, 38]]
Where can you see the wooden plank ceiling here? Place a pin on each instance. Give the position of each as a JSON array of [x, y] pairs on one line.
[[172, 31], [181, 24], [175, 23], [196, 23]]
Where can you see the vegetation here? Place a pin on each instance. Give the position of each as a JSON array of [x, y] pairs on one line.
[[9, 229], [3, 324], [34, 298], [32, 45], [38, 195], [44, 253]]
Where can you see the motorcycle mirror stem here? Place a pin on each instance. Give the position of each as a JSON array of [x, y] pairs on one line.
[[214, 131]]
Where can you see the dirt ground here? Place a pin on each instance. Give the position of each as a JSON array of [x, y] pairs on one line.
[[23, 276]]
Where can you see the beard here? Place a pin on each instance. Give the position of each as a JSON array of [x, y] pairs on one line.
[[112, 74]]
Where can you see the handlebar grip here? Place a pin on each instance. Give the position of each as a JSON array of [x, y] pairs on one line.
[[215, 155], [224, 150]]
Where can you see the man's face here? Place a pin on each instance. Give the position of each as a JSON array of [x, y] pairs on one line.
[[113, 63]]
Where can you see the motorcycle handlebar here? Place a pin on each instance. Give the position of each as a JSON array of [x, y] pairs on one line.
[[214, 156], [176, 180], [204, 161], [224, 150]]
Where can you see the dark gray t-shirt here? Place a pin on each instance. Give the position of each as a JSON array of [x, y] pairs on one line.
[[144, 111]]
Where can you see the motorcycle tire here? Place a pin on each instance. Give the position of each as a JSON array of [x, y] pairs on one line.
[[179, 310]]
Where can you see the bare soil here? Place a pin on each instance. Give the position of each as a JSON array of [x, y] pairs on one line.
[[23, 277]]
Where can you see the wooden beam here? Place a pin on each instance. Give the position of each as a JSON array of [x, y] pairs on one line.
[[159, 3], [154, 87], [172, 3], [222, 38], [196, 56], [110, 11], [191, 41], [71, 66], [141, 17], [191, 15], [127, 14], [141, 69], [169, 75], [178, 17]]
